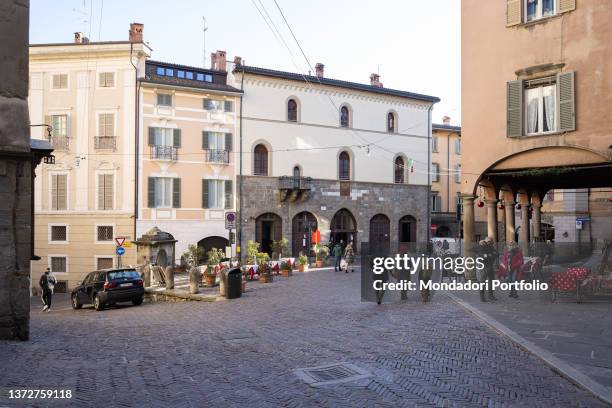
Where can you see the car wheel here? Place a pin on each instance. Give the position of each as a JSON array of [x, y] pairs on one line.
[[75, 303], [97, 303], [137, 301]]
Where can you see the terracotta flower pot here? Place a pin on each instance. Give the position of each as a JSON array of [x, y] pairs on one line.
[[286, 273], [209, 279], [265, 278], [319, 263], [301, 268]]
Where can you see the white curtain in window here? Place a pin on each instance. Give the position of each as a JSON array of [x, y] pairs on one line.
[[532, 109], [216, 141], [549, 98], [164, 137], [163, 192], [216, 197]]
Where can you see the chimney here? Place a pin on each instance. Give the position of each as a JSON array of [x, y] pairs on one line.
[[237, 60], [320, 69], [446, 120], [136, 32], [375, 81], [78, 37], [218, 61]]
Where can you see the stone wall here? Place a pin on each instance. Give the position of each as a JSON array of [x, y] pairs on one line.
[[15, 172], [261, 195]]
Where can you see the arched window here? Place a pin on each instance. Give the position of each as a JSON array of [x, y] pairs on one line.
[[344, 116], [344, 166], [399, 170], [296, 177], [292, 108], [260, 160], [391, 122]]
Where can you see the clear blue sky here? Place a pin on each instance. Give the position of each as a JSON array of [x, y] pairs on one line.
[[414, 44]]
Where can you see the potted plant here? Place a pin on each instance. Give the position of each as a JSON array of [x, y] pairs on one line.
[[192, 256], [286, 268], [214, 259], [322, 253], [265, 272], [252, 251], [280, 248], [302, 262]]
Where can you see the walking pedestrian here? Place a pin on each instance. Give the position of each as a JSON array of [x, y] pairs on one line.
[[338, 255], [487, 251], [47, 284], [349, 257]]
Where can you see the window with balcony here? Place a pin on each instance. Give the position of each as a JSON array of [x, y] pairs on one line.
[[260, 160], [106, 138], [164, 192], [59, 192], [59, 131], [217, 194], [217, 147], [164, 143]]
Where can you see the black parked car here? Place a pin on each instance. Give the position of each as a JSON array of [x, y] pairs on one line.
[[107, 287]]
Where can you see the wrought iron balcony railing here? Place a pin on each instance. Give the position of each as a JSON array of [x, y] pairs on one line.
[[106, 142], [164, 153], [216, 156], [294, 183], [60, 142]]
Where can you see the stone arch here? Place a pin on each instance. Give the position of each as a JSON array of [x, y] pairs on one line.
[[302, 226], [343, 227], [268, 228], [210, 242], [380, 233]]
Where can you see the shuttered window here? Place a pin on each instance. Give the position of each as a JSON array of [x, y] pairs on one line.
[[106, 124], [60, 81], [164, 192], [214, 194], [514, 111], [59, 192], [106, 79], [105, 191], [566, 101]]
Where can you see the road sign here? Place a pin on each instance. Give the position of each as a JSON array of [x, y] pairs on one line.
[[127, 244], [230, 220], [120, 251], [119, 241]]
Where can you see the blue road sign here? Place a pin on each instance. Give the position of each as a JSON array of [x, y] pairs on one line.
[[120, 251]]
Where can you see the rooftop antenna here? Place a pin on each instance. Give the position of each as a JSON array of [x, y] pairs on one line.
[[204, 28]]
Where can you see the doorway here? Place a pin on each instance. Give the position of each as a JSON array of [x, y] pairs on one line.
[[268, 228], [303, 225]]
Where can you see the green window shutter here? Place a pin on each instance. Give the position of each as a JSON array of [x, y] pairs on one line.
[[228, 106], [228, 142], [513, 12], [205, 139], [151, 193], [566, 5], [228, 194], [514, 108], [151, 136], [176, 193], [567, 107], [177, 138], [205, 194]]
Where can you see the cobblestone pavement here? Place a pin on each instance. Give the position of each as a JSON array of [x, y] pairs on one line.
[[243, 353]]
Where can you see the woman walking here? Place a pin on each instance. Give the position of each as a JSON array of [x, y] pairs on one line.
[[349, 257]]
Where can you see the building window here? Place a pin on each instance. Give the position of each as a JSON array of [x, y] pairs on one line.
[[435, 202], [189, 75], [434, 144], [540, 106], [106, 79], [104, 233], [292, 110], [400, 170], [204, 77], [58, 264], [180, 74], [105, 191], [537, 9], [169, 72], [391, 123], [344, 116], [60, 81], [435, 172], [59, 233], [163, 192], [458, 173], [160, 71], [106, 124], [104, 263], [344, 166], [260, 160], [216, 105], [164, 99], [59, 192], [217, 194], [457, 146]]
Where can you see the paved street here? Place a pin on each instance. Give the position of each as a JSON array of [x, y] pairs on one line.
[[244, 353]]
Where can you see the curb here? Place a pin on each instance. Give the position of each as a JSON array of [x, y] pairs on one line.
[[557, 365], [165, 293]]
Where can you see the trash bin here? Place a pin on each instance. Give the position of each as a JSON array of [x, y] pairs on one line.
[[231, 283]]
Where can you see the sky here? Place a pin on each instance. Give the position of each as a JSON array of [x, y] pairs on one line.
[[414, 45]]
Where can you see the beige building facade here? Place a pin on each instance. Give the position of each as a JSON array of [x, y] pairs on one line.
[[86, 93], [534, 109]]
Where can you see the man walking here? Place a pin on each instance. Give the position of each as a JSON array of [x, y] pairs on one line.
[[338, 254], [47, 283]]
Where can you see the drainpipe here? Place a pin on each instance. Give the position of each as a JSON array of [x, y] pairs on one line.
[[429, 173], [240, 174], [136, 137]]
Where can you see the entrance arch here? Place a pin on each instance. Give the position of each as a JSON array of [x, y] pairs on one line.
[[380, 234], [406, 233], [268, 228], [303, 225], [208, 243], [343, 227]]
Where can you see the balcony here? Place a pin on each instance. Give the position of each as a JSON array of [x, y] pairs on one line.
[[106, 142], [294, 188], [60, 142], [164, 153], [216, 156]]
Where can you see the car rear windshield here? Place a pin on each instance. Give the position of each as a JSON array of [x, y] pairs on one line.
[[123, 275]]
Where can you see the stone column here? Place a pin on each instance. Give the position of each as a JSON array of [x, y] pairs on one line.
[[536, 221], [468, 218], [509, 220], [524, 236], [492, 219]]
